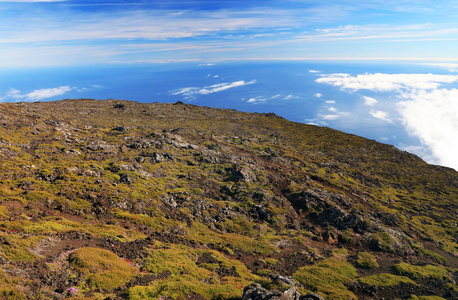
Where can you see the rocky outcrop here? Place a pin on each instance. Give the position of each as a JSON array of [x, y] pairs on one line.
[[256, 292]]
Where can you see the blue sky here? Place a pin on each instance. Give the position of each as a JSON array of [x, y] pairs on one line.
[[83, 32]]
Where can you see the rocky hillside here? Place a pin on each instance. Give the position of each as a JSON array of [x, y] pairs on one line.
[[121, 200]]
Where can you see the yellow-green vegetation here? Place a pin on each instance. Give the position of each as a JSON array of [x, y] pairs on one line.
[[366, 261], [384, 240], [328, 277], [187, 275], [103, 270], [229, 185], [340, 253], [229, 241], [269, 261], [178, 286], [8, 289], [426, 298], [385, 279], [18, 249], [3, 212], [428, 271], [58, 224]]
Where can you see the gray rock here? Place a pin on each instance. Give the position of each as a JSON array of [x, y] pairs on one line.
[[312, 296], [256, 292]]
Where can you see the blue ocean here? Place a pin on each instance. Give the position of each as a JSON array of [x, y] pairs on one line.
[[335, 94]]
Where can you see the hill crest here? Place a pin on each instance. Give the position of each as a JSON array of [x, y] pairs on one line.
[[210, 200]]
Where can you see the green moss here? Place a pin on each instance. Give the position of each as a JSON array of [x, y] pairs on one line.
[[340, 253], [426, 298], [103, 270], [384, 279], [56, 224], [229, 241], [428, 253], [366, 261], [180, 286], [181, 262], [36, 196], [78, 204], [18, 249], [11, 293], [269, 261], [3, 212], [329, 276], [239, 226], [428, 271]]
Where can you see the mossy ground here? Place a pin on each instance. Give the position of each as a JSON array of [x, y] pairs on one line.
[[142, 193]]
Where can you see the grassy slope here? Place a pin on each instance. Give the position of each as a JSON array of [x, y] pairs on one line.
[[249, 188]]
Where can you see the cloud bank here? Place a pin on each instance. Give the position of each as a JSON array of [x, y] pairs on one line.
[[387, 82], [433, 117], [37, 95], [428, 110]]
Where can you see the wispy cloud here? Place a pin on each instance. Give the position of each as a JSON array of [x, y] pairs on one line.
[[161, 31], [382, 115], [333, 115], [380, 32], [452, 67], [256, 100], [193, 91], [17, 95], [369, 101], [290, 97], [386, 82], [21, 1]]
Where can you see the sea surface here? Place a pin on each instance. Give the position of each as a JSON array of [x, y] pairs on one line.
[[295, 90]]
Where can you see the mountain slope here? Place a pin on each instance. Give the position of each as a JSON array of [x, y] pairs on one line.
[[128, 200]]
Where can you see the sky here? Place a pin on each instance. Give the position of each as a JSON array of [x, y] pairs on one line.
[[79, 32], [96, 41]]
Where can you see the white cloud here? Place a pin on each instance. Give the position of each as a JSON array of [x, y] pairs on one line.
[[314, 71], [452, 67], [290, 97], [330, 117], [428, 110], [257, 100], [433, 117], [369, 101], [37, 94], [382, 115], [318, 95], [192, 91], [330, 101], [47, 93], [386, 82], [379, 32], [334, 116]]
